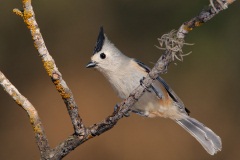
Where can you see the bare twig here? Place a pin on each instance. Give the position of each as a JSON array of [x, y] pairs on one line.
[[81, 133], [203, 17], [28, 16], [36, 123]]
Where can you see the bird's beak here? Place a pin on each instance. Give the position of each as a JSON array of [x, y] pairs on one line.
[[91, 64]]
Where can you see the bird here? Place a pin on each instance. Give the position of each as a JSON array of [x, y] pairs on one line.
[[125, 74]]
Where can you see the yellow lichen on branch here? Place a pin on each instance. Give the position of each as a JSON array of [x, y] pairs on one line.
[[197, 24], [27, 16], [61, 90], [29, 21], [26, 1], [49, 66], [37, 129], [187, 28], [29, 108], [18, 12], [31, 120]]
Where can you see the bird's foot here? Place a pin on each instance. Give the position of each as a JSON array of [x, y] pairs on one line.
[[143, 85], [116, 108]]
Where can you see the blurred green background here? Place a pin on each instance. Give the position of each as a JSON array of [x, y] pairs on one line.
[[207, 81]]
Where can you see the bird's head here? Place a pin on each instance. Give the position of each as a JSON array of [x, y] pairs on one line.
[[106, 57]]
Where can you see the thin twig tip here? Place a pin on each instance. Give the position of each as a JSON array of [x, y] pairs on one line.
[[18, 12]]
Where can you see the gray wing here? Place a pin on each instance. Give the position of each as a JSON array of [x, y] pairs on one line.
[[171, 93], [141, 64]]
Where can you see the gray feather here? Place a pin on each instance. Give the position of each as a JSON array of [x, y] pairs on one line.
[[205, 136], [159, 94]]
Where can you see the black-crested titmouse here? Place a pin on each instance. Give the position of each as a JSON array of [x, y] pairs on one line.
[[125, 74]]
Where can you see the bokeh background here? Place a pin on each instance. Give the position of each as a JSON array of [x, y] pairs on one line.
[[207, 81]]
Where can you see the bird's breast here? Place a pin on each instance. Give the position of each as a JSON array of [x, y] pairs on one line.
[[125, 84]]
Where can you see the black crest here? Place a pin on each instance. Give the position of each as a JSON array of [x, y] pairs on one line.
[[100, 41]]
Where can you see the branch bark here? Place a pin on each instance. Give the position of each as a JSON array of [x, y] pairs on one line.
[[28, 16], [160, 67], [172, 42], [35, 120]]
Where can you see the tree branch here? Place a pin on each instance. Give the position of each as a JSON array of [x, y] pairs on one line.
[[203, 17], [160, 67], [35, 121], [28, 16], [172, 42]]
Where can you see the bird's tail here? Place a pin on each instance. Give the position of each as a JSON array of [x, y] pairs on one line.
[[205, 136]]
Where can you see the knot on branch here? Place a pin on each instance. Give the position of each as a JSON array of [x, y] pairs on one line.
[[173, 44]]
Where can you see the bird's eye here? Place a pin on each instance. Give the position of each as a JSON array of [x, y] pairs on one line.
[[103, 55]]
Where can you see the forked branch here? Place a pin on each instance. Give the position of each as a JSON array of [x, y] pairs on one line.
[[28, 16], [172, 42]]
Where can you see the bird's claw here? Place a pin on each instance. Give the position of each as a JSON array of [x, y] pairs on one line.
[[116, 108], [126, 114], [141, 83]]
